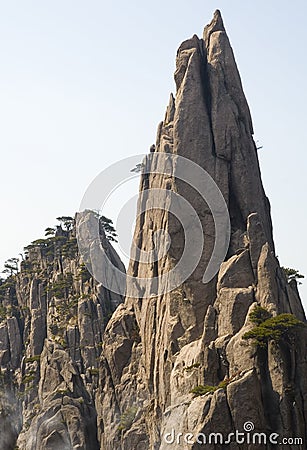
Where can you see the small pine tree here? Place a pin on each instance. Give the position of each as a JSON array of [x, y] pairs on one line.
[[11, 266], [66, 221], [49, 231], [108, 228], [280, 327], [292, 274], [259, 315]]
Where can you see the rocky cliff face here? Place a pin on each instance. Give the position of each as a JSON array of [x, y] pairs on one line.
[[81, 369], [181, 360], [53, 315]]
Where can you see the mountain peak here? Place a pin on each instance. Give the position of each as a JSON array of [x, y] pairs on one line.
[[82, 367], [216, 24]]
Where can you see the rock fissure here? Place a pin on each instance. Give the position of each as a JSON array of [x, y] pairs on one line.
[[83, 368]]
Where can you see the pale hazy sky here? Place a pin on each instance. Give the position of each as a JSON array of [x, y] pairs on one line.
[[84, 84]]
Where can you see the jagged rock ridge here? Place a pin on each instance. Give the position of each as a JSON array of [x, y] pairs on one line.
[[193, 337], [53, 315], [69, 383]]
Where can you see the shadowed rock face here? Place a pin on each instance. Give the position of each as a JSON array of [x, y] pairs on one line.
[[74, 376], [158, 348], [52, 319]]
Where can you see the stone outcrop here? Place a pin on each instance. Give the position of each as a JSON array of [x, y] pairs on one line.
[[83, 368], [194, 335], [53, 315]]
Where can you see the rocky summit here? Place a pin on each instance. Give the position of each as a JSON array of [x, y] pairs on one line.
[[85, 368]]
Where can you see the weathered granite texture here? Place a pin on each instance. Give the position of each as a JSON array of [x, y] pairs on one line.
[[52, 321], [159, 347], [81, 369]]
